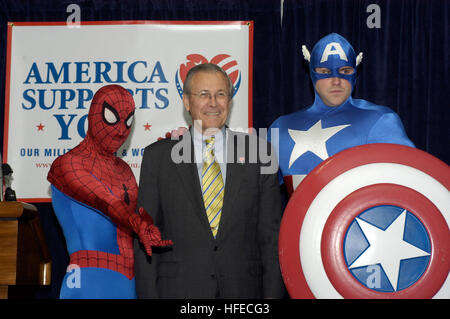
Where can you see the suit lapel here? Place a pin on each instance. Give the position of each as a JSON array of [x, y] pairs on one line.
[[188, 174], [235, 176]]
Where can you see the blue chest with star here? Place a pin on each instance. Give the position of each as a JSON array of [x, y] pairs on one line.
[[308, 137]]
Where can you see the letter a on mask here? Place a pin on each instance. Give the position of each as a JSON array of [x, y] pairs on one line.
[[333, 48]]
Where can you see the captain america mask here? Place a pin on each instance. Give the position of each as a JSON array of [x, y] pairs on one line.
[[334, 53]]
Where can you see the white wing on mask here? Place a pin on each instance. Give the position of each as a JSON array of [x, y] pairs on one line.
[[306, 53], [359, 58]]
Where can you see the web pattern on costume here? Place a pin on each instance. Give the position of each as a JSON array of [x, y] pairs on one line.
[[91, 174]]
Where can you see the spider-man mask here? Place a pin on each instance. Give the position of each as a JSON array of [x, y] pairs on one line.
[[110, 117]]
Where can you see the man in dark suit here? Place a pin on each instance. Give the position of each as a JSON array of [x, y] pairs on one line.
[[222, 215]]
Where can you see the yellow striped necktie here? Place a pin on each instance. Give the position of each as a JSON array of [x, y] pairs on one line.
[[212, 186]]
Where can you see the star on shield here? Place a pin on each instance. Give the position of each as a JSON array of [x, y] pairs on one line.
[[387, 248]]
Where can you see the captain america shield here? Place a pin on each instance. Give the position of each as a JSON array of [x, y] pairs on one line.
[[369, 222]]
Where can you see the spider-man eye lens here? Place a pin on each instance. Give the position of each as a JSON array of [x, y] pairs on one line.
[[129, 120], [110, 115]]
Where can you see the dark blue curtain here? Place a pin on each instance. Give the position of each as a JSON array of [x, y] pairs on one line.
[[405, 66]]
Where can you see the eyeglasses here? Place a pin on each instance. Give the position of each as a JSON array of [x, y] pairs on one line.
[[206, 95]]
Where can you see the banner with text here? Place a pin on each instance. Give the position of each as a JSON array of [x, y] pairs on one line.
[[53, 71]]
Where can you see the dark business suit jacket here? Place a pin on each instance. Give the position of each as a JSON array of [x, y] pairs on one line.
[[242, 261]]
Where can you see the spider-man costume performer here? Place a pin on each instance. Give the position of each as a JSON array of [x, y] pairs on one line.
[[311, 135], [94, 195]]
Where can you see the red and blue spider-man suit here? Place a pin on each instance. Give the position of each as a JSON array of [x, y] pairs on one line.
[[94, 196]]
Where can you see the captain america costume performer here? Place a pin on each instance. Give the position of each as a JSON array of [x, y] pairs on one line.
[[309, 136], [94, 196]]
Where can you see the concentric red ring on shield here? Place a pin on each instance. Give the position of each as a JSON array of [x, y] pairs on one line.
[[313, 250], [376, 197]]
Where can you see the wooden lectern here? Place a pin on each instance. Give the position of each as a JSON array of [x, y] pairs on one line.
[[24, 256]]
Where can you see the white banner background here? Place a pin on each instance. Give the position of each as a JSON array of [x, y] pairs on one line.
[[54, 70]]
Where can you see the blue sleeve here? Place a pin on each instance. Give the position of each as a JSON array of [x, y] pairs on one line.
[[276, 145], [389, 129]]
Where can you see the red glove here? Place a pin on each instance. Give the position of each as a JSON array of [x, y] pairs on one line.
[[148, 233], [178, 132], [175, 133]]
